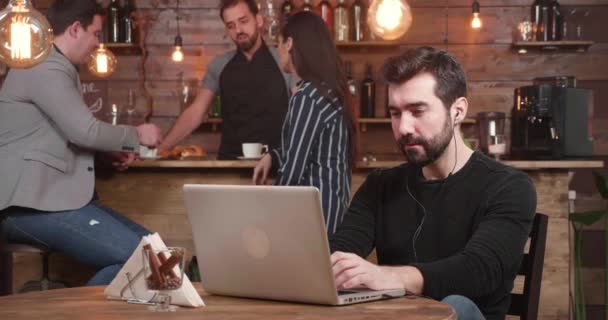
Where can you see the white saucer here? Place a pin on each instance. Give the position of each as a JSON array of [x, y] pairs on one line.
[[249, 158]]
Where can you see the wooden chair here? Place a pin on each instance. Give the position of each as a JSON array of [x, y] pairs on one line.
[[525, 305]]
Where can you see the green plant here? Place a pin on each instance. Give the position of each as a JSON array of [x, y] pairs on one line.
[[579, 220]]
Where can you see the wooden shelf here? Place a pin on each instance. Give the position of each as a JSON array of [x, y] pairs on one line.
[[214, 120], [362, 121], [365, 121], [577, 45], [346, 44], [214, 123], [123, 48], [374, 120]]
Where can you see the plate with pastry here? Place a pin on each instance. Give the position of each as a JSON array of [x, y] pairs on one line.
[[183, 151]]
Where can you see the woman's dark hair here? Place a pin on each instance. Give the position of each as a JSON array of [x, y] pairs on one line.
[[316, 59], [251, 4], [450, 78], [63, 13]]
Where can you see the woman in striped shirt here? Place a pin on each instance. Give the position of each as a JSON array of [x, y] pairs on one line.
[[318, 136]]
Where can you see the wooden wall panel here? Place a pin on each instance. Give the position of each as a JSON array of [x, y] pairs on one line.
[[493, 68], [213, 4]]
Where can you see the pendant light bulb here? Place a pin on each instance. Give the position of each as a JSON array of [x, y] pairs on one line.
[[102, 62], [476, 21], [26, 37], [389, 19], [178, 54]]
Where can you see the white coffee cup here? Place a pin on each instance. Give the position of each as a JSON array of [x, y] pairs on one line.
[[254, 150], [146, 152]]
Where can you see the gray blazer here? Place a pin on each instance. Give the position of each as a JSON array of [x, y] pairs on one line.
[[48, 137]]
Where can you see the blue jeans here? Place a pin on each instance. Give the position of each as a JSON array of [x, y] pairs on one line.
[[464, 307], [94, 235]]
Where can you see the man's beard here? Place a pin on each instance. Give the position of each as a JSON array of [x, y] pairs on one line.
[[433, 148], [245, 46]]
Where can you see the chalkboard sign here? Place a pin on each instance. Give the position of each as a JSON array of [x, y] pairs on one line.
[[95, 94]]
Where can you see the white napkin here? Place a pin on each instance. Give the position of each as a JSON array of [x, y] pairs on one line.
[[119, 287]]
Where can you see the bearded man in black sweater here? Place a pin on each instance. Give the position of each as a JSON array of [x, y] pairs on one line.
[[451, 223]]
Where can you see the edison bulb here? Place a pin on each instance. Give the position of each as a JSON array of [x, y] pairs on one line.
[[389, 19], [102, 62], [178, 54], [26, 37], [476, 21]]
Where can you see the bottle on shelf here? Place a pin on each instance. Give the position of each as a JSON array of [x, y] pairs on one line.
[[126, 23], [307, 6], [540, 16], [271, 23], [286, 9], [103, 34], [358, 21], [387, 112], [216, 108], [368, 94], [555, 23], [113, 22], [327, 14], [350, 82], [341, 25]]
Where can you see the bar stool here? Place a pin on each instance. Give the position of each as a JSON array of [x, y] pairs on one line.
[[35, 285], [6, 265]]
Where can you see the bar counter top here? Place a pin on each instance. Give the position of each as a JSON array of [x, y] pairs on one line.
[[212, 163]]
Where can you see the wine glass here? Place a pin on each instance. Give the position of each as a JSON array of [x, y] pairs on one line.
[[497, 145], [164, 271], [526, 30], [186, 94], [131, 102]]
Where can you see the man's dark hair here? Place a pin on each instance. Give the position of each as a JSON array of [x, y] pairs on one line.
[[251, 4], [450, 78], [63, 13]]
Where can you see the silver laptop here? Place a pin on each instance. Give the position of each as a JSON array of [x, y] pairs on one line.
[[266, 242]]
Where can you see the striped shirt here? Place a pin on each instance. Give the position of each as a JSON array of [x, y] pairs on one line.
[[314, 151]]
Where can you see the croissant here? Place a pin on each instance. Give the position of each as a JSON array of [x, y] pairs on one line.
[[183, 151], [193, 151]]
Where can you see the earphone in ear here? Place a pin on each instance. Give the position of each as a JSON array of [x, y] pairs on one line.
[[455, 117]]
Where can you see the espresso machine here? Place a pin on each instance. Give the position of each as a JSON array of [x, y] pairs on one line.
[[551, 122]]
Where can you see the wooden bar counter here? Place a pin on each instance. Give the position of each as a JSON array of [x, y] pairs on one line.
[[150, 192]]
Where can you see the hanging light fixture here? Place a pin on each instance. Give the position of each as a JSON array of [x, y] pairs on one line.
[[389, 19], [25, 35], [476, 21], [178, 54], [102, 62]]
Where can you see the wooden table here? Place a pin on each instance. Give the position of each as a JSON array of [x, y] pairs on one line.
[[90, 303]]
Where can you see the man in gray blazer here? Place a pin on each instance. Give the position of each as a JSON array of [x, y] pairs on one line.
[[48, 140]]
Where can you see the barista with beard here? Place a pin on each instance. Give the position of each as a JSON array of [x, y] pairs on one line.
[[451, 223], [253, 90]]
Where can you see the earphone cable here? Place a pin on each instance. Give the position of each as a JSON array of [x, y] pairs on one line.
[[407, 187]]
